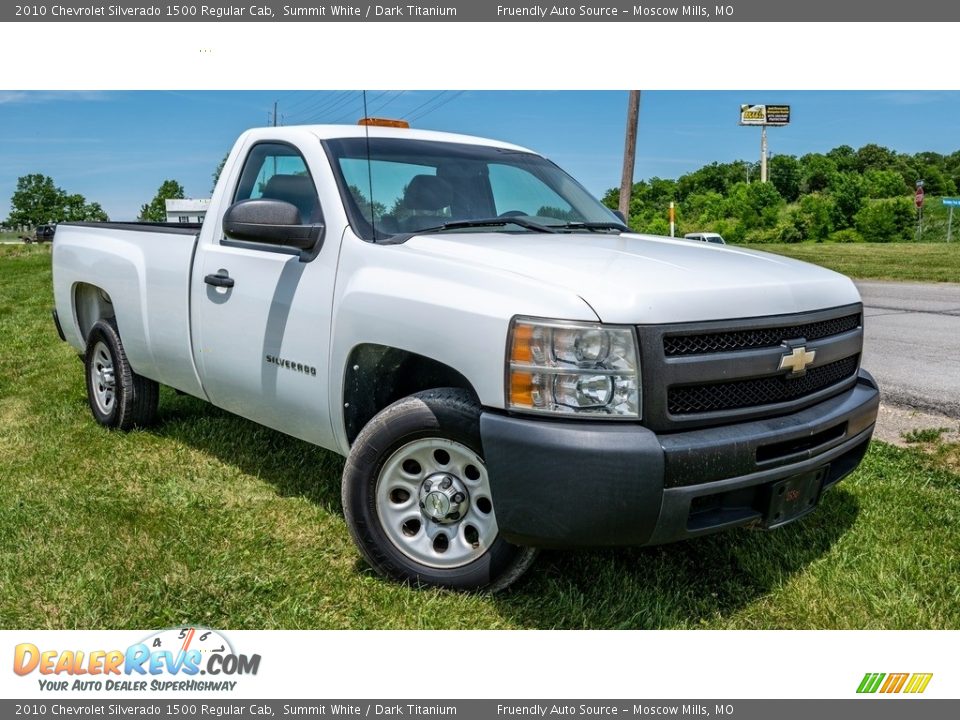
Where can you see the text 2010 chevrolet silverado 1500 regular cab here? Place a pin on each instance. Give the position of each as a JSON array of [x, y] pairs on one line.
[[504, 364]]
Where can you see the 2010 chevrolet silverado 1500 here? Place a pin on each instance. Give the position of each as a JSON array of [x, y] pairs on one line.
[[504, 364]]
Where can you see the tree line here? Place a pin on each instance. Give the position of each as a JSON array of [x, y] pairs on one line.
[[37, 200], [844, 195]]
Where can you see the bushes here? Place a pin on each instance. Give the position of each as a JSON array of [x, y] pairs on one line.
[[813, 219], [886, 220]]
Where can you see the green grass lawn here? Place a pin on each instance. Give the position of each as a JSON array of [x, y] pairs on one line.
[[924, 262], [211, 519]]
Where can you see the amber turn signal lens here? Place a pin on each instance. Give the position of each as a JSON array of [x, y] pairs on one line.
[[521, 388], [520, 351]]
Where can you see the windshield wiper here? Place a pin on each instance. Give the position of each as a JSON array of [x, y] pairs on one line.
[[580, 225], [487, 222]]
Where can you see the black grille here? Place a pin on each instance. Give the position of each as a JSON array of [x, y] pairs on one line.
[[762, 337], [759, 391]]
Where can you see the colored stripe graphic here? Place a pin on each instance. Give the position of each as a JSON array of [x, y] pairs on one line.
[[870, 682], [894, 683], [918, 683]]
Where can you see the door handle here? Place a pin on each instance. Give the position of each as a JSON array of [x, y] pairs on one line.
[[220, 279]]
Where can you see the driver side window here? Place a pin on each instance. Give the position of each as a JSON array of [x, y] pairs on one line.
[[279, 172]]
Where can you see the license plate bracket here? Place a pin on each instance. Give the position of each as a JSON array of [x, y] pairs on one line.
[[793, 497]]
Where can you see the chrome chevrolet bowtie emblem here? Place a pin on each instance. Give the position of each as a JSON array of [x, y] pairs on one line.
[[797, 359]]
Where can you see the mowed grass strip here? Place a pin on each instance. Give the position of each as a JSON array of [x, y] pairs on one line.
[[211, 519], [919, 262]]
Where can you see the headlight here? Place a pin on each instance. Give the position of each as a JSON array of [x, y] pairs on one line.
[[573, 368]]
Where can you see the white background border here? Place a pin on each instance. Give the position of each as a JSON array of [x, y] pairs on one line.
[[521, 664]]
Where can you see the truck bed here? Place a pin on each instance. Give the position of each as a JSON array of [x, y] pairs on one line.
[[154, 227], [146, 267]]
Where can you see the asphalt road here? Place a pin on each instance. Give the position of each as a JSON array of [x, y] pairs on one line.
[[912, 343]]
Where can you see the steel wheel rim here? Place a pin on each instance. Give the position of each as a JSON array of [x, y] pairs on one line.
[[413, 529], [102, 378]]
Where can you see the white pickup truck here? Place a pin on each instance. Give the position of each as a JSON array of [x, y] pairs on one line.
[[503, 363]]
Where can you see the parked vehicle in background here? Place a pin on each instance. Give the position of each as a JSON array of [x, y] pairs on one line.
[[707, 237], [504, 364], [42, 233]]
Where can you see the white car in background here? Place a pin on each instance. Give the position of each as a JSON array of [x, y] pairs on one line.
[[706, 237]]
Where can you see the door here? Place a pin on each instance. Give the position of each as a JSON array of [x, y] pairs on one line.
[[261, 313]]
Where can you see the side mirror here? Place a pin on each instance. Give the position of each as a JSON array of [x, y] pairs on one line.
[[274, 222], [621, 216]]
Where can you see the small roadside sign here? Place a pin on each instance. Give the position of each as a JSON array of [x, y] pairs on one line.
[[950, 203], [918, 197]]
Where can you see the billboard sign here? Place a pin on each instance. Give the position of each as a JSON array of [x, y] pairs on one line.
[[764, 114]]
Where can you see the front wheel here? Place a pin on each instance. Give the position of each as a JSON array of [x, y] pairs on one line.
[[417, 498]]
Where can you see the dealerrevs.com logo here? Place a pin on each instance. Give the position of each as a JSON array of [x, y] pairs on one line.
[[891, 683], [179, 659]]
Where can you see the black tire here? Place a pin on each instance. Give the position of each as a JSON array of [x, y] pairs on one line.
[[449, 414], [134, 398]]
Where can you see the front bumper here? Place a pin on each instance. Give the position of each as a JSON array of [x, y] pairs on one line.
[[590, 484]]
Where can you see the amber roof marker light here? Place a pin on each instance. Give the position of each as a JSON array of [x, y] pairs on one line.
[[383, 122]]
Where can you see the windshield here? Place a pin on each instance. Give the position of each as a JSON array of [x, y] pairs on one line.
[[409, 186]]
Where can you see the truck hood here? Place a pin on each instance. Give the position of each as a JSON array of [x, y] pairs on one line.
[[632, 278]]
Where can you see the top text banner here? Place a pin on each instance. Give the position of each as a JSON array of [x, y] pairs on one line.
[[483, 11]]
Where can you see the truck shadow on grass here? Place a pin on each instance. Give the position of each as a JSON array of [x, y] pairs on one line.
[[294, 467], [690, 584], [683, 585]]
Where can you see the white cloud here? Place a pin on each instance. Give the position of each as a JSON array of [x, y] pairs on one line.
[[23, 97]]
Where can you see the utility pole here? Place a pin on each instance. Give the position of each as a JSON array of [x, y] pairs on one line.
[[274, 113], [763, 154], [629, 153]]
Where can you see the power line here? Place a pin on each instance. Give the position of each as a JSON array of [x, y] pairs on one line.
[[347, 115], [335, 106], [324, 104], [321, 106], [301, 100], [388, 101], [424, 104], [438, 105]]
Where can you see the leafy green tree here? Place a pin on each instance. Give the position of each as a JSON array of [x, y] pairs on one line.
[[704, 208], [874, 157], [847, 193], [37, 200], [936, 181], [884, 184], [818, 172], [785, 176], [814, 218], [845, 158], [156, 209], [754, 205], [886, 220]]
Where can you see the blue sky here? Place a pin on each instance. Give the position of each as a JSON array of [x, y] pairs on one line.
[[116, 148]]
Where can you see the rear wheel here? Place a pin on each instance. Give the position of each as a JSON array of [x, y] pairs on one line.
[[417, 498], [118, 397]]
